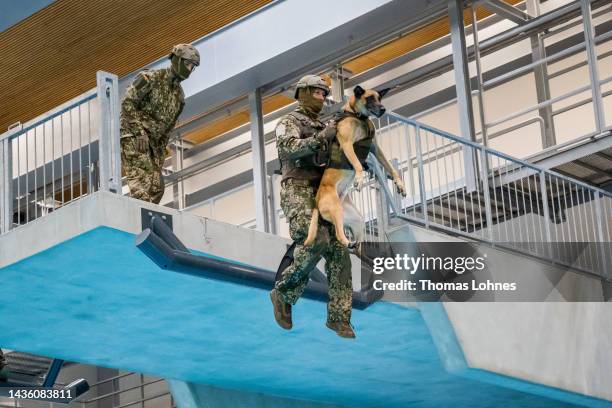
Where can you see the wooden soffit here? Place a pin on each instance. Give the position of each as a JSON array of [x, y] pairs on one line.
[[53, 55]]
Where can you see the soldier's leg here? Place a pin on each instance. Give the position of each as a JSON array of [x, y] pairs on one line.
[[138, 168], [156, 186], [294, 278], [297, 203], [338, 268]]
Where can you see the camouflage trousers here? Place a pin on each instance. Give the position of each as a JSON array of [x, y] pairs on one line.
[[297, 202], [143, 172]]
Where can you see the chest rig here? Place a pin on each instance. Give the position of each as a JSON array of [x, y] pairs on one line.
[[309, 167]]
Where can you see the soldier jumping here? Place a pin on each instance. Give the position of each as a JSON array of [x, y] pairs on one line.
[[300, 139]]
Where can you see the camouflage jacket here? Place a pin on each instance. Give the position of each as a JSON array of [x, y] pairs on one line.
[[295, 138], [152, 104]]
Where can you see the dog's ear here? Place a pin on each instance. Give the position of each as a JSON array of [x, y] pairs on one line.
[[383, 92], [358, 91]]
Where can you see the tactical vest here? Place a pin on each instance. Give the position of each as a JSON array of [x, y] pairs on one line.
[[337, 159], [309, 167]]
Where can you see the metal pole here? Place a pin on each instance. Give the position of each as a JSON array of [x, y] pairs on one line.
[[486, 191], [259, 162], [271, 197], [108, 124], [589, 35], [540, 71], [600, 235], [337, 84], [382, 210], [462, 86], [479, 81], [545, 209], [177, 165], [421, 175], [6, 184]]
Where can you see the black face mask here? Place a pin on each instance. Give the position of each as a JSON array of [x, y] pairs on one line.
[[309, 103], [179, 67]]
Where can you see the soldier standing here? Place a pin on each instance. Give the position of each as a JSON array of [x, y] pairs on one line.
[[300, 139], [152, 104]]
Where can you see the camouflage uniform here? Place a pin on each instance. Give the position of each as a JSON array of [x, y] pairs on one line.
[[297, 201], [151, 106]]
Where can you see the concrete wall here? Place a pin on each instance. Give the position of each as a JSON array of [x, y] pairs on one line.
[[558, 343]]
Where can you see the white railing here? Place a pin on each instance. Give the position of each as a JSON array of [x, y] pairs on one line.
[[60, 156]]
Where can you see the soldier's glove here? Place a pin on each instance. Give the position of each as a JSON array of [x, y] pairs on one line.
[[142, 143], [328, 134]]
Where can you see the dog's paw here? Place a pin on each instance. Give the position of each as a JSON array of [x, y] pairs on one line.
[[359, 179], [400, 186]]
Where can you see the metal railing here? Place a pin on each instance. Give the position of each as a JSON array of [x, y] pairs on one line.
[[119, 393], [510, 202], [60, 156], [120, 397], [547, 109]]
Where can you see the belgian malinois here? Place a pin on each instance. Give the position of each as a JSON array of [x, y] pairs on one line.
[[332, 201]]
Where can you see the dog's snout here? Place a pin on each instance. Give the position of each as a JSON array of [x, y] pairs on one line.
[[382, 110]]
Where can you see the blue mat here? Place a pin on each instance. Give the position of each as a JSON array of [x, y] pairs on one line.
[[96, 299]]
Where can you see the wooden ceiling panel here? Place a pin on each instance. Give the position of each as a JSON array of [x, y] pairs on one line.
[[53, 55]]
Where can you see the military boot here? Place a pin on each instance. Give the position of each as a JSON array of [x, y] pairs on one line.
[[282, 311], [342, 329], [4, 374]]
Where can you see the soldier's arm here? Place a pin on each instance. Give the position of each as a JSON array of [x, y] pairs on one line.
[[180, 110], [131, 106], [288, 140]]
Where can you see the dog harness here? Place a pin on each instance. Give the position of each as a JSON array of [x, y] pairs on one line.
[[337, 158]]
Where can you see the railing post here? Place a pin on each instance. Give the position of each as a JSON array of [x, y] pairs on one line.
[[545, 209], [421, 176], [589, 40], [600, 234], [258, 145], [487, 194], [382, 210], [272, 204], [6, 184], [108, 125]]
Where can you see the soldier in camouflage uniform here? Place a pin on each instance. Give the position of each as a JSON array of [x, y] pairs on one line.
[[300, 138], [149, 111], [4, 372]]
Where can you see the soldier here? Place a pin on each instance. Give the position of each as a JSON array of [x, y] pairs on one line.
[[300, 139], [4, 371], [149, 112]]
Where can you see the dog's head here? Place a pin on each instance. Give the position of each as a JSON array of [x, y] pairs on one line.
[[366, 102]]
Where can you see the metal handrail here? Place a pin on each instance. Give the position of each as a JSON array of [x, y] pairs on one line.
[[502, 155], [110, 394], [65, 107]]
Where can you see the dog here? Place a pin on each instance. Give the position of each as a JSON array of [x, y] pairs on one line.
[[354, 131]]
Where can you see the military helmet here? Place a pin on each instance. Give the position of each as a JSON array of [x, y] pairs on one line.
[[314, 81], [186, 51]]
